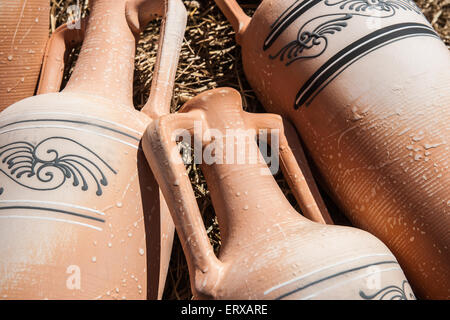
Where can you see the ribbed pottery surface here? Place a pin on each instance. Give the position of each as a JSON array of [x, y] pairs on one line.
[[24, 27], [369, 97]]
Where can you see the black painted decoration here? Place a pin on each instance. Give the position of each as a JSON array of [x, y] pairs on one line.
[[287, 18], [74, 122], [47, 165], [312, 35], [380, 5], [52, 210], [390, 293], [308, 37], [333, 276], [355, 51]]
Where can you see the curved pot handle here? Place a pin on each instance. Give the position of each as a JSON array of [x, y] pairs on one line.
[[169, 47], [295, 167], [61, 42], [167, 165], [170, 41], [237, 17]]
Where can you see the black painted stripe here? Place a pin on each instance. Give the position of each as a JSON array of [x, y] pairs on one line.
[[360, 57], [334, 276], [76, 122], [291, 15], [355, 50], [52, 210], [76, 142]]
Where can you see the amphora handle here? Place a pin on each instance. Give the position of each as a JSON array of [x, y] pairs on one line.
[[235, 15], [172, 30], [163, 155]]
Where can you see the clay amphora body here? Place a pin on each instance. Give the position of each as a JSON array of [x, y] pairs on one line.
[[268, 250], [24, 30], [366, 84], [81, 216]]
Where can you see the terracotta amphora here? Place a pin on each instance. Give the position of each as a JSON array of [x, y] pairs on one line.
[[268, 250], [366, 84], [24, 29], [81, 216]]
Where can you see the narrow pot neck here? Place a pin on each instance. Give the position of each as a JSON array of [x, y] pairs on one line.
[[106, 62], [247, 200]]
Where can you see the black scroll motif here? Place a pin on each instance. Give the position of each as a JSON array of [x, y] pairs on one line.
[[391, 293], [380, 5], [312, 37], [355, 51], [287, 18], [53, 210], [315, 34], [51, 163], [332, 276]]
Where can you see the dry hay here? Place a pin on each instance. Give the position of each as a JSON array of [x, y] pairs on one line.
[[210, 58]]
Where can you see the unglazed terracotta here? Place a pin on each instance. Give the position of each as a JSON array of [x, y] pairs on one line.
[[81, 216], [268, 250], [366, 84], [24, 30], [59, 47]]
